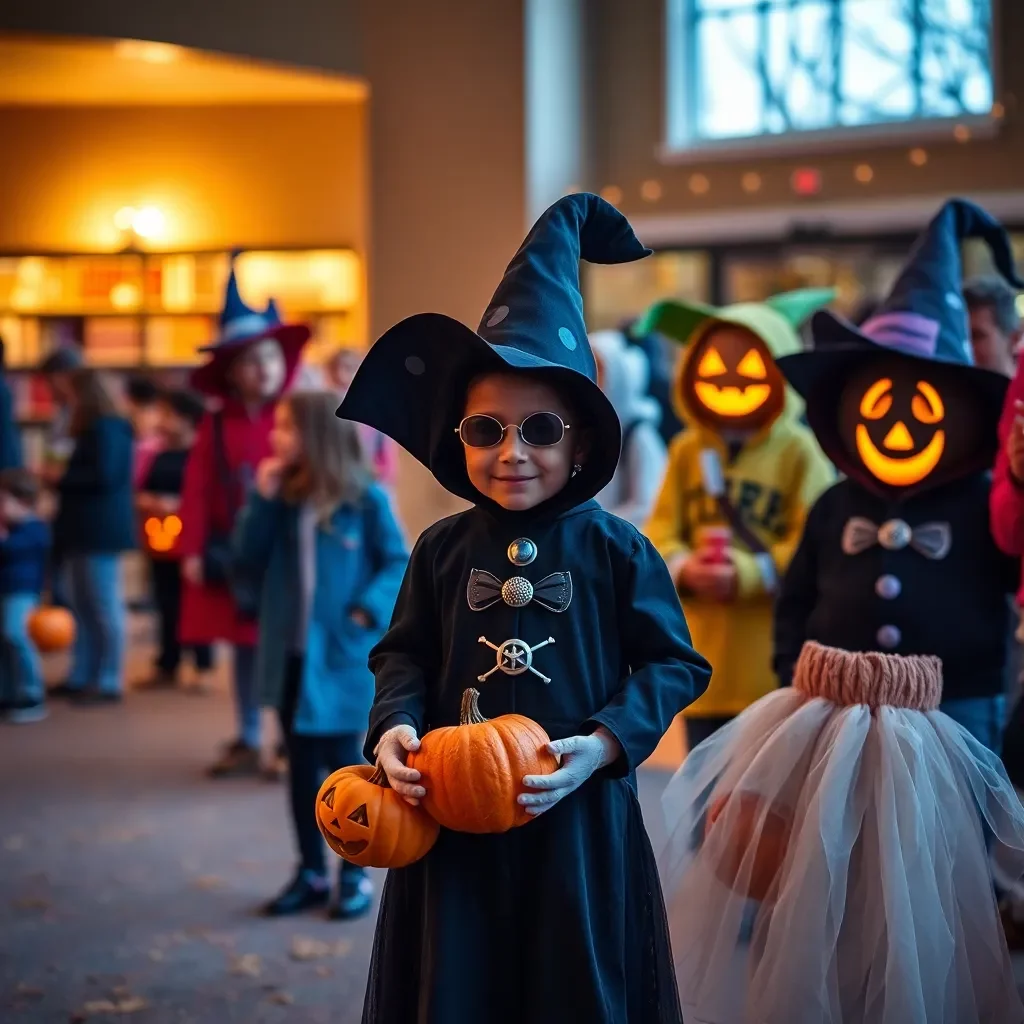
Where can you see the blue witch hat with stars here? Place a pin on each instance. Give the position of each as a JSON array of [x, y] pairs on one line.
[[924, 317], [412, 385]]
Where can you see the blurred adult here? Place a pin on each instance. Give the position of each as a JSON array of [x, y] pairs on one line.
[[623, 373], [10, 438], [996, 329], [661, 359], [381, 452], [95, 523]]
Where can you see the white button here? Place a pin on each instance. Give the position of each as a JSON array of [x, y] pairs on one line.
[[888, 587], [888, 637], [894, 535]]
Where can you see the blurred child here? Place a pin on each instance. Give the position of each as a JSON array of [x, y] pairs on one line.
[[380, 449], [24, 550], [159, 504], [95, 524], [332, 560], [251, 364], [143, 411]]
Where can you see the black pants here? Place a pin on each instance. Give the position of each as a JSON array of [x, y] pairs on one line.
[[310, 760], [167, 591]]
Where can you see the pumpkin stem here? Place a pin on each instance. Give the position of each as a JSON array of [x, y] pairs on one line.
[[470, 714], [379, 778]]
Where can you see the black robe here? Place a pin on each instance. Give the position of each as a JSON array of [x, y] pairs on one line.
[[561, 919], [900, 601]]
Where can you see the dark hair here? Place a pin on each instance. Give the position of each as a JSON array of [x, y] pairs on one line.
[[141, 390], [995, 294], [66, 359], [187, 404], [92, 400], [21, 485]]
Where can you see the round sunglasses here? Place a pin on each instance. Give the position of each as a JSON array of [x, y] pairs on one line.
[[538, 430]]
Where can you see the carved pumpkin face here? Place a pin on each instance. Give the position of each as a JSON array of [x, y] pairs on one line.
[[368, 823], [906, 422], [731, 380]]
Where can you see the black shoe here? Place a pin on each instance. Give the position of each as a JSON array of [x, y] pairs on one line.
[[90, 698], [237, 761], [355, 897], [65, 691], [300, 894], [24, 712], [160, 680]]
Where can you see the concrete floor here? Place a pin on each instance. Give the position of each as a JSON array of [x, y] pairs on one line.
[[129, 882]]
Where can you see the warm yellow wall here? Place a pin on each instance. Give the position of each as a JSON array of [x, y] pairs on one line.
[[628, 80], [224, 176]]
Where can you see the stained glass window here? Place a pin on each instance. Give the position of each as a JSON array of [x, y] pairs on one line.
[[747, 68]]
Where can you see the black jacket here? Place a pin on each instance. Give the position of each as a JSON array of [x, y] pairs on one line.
[[954, 607], [458, 937]]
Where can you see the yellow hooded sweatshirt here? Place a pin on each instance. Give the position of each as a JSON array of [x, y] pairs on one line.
[[772, 479]]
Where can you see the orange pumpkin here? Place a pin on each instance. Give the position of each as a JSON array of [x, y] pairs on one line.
[[365, 821], [51, 628], [746, 818], [473, 772]]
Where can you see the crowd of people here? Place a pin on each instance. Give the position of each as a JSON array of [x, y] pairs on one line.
[[750, 487]]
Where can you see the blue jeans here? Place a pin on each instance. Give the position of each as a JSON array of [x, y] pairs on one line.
[[983, 717], [247, 701], [22, 675], [94, 590]]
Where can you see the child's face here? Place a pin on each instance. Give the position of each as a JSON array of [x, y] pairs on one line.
[[145, 419], [514, 474], [285, 442], [343, 366], [12, 510], [258, 372]]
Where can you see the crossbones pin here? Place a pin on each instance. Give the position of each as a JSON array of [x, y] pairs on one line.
[[514, 657]]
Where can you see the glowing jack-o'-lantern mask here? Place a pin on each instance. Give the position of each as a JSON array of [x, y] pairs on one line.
[[731, 380], [906, 420]]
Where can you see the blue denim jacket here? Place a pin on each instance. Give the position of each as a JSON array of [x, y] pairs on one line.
[[360, 562]]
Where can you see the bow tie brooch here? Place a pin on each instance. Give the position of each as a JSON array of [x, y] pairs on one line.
[[933, 540], [484, 589]]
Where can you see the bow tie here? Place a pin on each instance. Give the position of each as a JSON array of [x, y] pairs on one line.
[[933, 540], [554, 592]]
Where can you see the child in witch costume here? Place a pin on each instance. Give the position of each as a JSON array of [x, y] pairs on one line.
[[745, 470], [846, 813], [251, 364], [561, 918]]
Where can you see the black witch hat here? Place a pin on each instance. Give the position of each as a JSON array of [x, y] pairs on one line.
[[924, 318], [412, 385]]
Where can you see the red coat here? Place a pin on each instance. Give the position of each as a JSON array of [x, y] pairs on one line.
[[208, 612], [1006, 501]]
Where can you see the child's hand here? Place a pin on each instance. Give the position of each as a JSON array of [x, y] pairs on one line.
[[145, 502], [391, 752], [269, 474], [713, 580], [1015, 443], [360, 618], [581, 757]]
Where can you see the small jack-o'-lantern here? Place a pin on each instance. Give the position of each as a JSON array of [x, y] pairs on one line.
[[907, 422], [732, 381], [365, 821], [161, 534]]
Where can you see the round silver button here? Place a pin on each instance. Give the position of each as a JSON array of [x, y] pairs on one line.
[[517, 592], [888, 637], [894, 535], [888, 587], [522, 551]]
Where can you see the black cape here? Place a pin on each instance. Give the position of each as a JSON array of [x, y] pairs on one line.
[[563, 918]]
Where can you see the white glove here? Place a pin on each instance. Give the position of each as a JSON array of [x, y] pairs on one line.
[[390, 753], [581, 757]]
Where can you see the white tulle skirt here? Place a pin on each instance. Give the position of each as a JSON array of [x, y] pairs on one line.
[[827, 861]]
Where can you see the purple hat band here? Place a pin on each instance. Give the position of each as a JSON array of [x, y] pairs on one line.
[[905, 331]]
